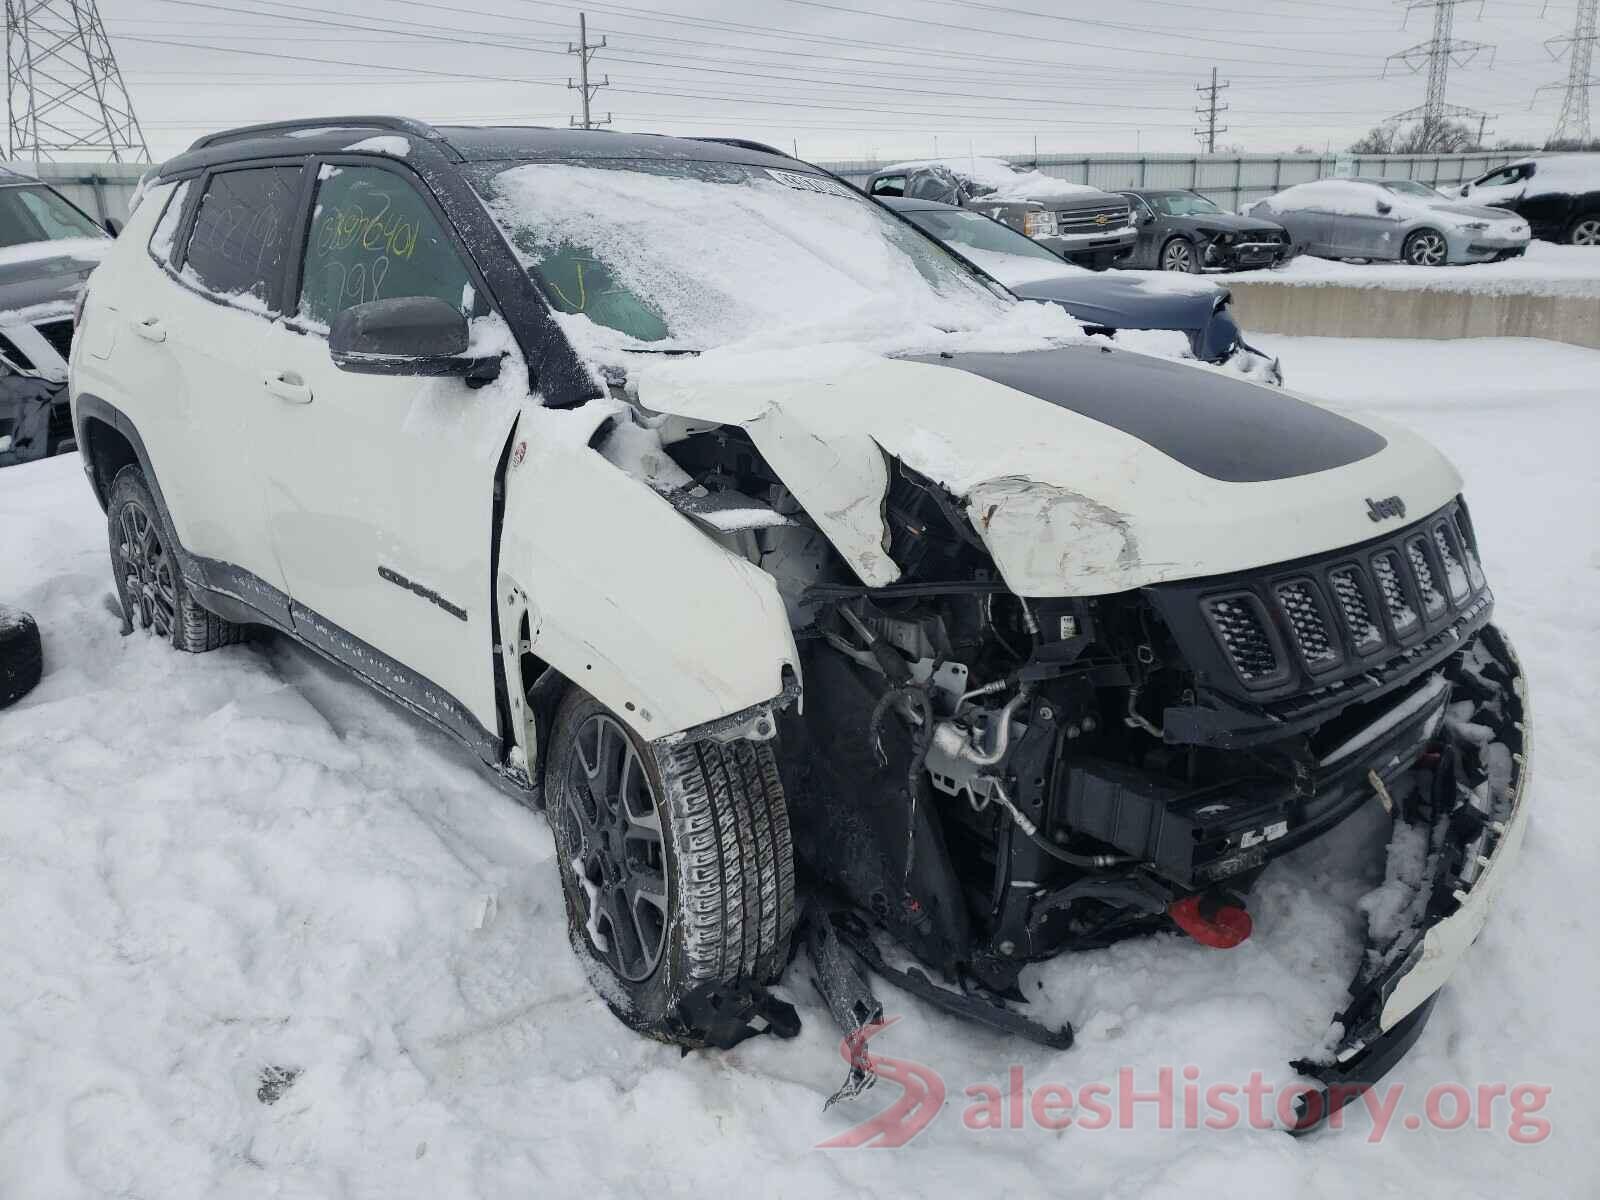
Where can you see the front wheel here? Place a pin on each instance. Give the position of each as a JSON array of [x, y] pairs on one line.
[[149, 583], [1179, 255], [677, 865], [1585, 231], [1425, 248]]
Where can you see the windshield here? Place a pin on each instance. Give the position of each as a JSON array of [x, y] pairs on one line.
[[974, 231], [674, 254], [37, 214], [1182, 204]]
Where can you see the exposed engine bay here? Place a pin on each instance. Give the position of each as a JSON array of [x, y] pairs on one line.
[[992, 779]]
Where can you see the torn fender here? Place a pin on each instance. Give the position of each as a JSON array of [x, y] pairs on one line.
[[623, 595]]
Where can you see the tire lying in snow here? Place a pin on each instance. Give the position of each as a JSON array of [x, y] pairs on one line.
[[21, 655], [677, 867]]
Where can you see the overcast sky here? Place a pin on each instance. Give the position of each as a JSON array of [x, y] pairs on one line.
[[886, 78]]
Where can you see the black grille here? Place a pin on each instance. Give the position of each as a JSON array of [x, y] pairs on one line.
[[1402, 617], [1241, 626], [1317, 644], [1350, 594], [1455, 575], [1422, 570], [58, 334], [1317, 622]]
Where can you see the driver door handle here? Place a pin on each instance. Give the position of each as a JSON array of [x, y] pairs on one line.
[[287, 386], [151, 329]]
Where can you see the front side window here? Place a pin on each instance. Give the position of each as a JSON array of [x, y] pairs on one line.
[[241, 234], [374, 238], [37, 214], [889, 185]]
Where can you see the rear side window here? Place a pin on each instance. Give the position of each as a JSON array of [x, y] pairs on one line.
[[163, 239], [241, 234], [373, 237]]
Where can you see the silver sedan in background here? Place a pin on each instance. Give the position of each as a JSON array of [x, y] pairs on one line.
[[1395, 219]]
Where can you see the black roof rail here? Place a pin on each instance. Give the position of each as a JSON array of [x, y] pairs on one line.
[[399, 124], [746, 144]]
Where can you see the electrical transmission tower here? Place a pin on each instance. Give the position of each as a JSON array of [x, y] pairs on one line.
[[1573, 127], [1439, 53], [585, 51], [1210, 111], [64, 90]]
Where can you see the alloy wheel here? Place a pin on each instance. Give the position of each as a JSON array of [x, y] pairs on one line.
[[148, 580], [1426, 249], [1177, 257], [615, 850], [1586, 232]]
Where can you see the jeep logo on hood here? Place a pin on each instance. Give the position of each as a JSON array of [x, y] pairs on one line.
[[1389, 506]]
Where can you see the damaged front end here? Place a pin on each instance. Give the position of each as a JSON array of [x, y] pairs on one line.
[[989, 779]]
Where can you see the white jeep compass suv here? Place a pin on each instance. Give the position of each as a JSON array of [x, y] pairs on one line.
[[724, 513]]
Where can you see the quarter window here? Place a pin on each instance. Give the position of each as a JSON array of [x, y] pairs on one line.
[[374, 238], [241, 233], [163, 239]]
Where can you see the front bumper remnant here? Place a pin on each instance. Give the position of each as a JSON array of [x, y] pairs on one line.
[[1471, 810]]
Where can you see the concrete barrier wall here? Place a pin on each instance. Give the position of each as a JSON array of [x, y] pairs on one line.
[[1329, 310]]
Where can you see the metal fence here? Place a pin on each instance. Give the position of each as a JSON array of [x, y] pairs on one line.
[[1232, 180], [101, 189]]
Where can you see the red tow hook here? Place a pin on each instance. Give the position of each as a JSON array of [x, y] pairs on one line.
[[1210, 920]]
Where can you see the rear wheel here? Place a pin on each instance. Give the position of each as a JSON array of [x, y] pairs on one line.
[[1425, 248], [677, 865], [21, 655], [1179, 255], [1585, 231], [149, 583]]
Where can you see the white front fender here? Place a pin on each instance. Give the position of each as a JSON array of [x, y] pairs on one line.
[[623, 595]]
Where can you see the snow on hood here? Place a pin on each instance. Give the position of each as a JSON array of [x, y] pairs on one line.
[[79, 249], [1067, 503], [751, 261], [999, 180]]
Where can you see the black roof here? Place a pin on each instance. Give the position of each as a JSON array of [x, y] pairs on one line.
[[465, 143]]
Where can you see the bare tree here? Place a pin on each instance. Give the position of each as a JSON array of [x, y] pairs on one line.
[[1425, 137]]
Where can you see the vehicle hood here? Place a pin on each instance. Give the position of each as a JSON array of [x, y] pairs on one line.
[[1084, 469], [1121, 302], [1473, 212], [1227, 222], [36, 274]]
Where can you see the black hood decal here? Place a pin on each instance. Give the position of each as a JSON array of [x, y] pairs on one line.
[[1224, 428]]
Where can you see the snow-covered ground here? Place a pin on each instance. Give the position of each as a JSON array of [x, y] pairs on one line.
[[216, 866], [1546, 269]]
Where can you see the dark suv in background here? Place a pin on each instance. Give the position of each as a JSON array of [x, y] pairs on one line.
[[48, 246], [1558, 195], [1084, 225]]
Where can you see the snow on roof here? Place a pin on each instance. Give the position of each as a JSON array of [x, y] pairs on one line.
[[1565, 173], [1002, 180], [85, 249], [391, 144]]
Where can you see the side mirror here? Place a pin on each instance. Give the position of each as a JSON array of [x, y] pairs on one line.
[[410, 335], [1147, 218], [1466, 189], [1385, 208], [113, 226]]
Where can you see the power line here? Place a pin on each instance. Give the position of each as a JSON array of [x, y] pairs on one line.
[[64, 90], [1210, 111], [585, 51], [1572, 126], [1438, 54]]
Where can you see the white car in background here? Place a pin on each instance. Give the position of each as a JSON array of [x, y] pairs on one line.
[[1397, 219]]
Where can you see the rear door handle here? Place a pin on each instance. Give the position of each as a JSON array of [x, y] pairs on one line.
[[151, 329], [287, 386]]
